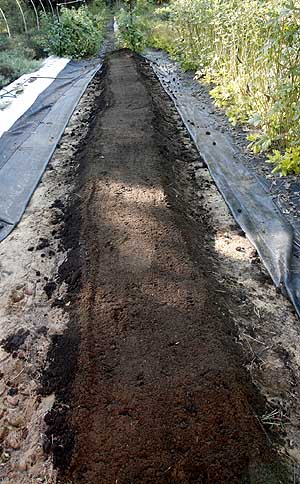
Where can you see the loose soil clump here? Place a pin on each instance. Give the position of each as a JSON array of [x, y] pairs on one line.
[[153, 387]]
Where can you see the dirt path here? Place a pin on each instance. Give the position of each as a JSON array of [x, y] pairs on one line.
[[159, 393]]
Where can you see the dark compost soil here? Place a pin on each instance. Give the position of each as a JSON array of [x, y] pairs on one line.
[[149, 380]]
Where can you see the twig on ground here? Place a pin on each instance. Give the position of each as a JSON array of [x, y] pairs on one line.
[[15, 377]]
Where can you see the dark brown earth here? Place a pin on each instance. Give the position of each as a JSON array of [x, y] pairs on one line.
[[149, 380]]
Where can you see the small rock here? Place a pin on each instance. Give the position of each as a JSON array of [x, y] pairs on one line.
[[29, 290], [12, 401], [15, 420], [22, 465], [16, 296], [14, 439], [3, 432], [49, 288], [43, 243], [5, 458], [15, 340]]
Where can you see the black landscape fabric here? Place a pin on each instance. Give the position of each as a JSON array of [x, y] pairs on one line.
[[26, 148], [275, 236]]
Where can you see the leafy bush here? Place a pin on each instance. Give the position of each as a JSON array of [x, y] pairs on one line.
[[162, 33], [5, 42], [162, 37], [77, 33], [286, 163], [135, 25], [98, 7], [35, 42], [18, 56], [130, 33], [13, 65], [250, 51]]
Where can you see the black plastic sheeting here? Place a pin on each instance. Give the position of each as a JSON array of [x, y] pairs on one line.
[[26, 148], [274, 234]]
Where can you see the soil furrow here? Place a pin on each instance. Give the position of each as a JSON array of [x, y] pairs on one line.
[[160, 394]]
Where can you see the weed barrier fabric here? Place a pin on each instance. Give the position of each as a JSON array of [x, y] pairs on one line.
[[247, 195], [26, 148]]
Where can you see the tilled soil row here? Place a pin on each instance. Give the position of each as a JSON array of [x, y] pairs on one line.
[[149, 379]]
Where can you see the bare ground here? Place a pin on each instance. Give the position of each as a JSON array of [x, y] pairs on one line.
[[170, 315], [29, 259], [159, 393]]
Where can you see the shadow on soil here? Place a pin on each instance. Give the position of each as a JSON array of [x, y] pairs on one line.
[[150, 384]]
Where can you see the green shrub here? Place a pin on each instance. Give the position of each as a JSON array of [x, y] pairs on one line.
[[5, 42], [18, 55], [135, 26], [161, 33], [250, 51], [13, 65], [98, 7], [35, 42], [76, 34], [162, 37], [286, 163], [130, 33]]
